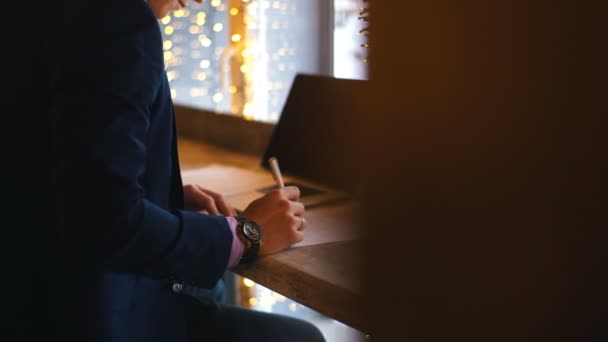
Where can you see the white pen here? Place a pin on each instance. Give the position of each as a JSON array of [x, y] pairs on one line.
[[276, 172]]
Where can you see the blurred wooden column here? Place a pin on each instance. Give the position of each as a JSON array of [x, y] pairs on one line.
[[483, 166], [239, 62]]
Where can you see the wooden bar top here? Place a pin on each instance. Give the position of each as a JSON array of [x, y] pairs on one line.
[[322, 277]]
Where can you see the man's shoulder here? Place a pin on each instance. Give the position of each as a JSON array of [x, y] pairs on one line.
[[116, 42], [101, 29], [118, 16]]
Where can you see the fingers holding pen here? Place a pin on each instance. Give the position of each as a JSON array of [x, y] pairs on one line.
[[281, 214], [295, 208], [297, 236], [295, 223], [292, 193]]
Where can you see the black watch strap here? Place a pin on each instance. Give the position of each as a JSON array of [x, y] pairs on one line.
[[250, 253]]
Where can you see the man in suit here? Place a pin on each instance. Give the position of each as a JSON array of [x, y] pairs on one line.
[[107, 237]]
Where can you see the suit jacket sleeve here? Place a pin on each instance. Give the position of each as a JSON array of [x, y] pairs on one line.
[[102, 88]]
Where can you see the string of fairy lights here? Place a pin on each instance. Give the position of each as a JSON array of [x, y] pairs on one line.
[[211, 50]]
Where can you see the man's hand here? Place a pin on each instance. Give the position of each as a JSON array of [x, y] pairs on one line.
[[280, 215], [197, 198]]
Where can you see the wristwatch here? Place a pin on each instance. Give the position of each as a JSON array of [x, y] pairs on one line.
[[251, 235]]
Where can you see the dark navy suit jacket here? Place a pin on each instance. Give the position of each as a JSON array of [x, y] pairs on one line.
[[105, 237]]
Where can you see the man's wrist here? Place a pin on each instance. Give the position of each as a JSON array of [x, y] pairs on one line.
[[238, 247], [251, 235]]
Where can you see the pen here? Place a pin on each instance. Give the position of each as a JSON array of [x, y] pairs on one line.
[[276, 172]]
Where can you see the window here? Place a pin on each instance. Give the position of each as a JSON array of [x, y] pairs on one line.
[[240, 56]]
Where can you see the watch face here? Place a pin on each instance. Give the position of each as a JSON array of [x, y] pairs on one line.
[[252, 231]]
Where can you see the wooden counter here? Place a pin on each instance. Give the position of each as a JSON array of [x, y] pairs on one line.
[[323, 277]]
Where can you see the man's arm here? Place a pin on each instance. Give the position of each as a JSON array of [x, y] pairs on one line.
[[100, 116]]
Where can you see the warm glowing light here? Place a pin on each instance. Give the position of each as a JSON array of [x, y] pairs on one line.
[[253, 301], [169, 30], [166, 20], [171, 75], [218, 27], [194, 29], [201, 15], [218, 97], [236, 37], [293, 307], [216, 3], [168, 55], [200, 21], [245, 53], [248, 111], [205, 63], [201, 76], [234, 11], [167, 44], [232, 89], [173, 93], [266, 299], [244, 68], [205, 41], [179, 13], [234, 109], [248, 282]]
